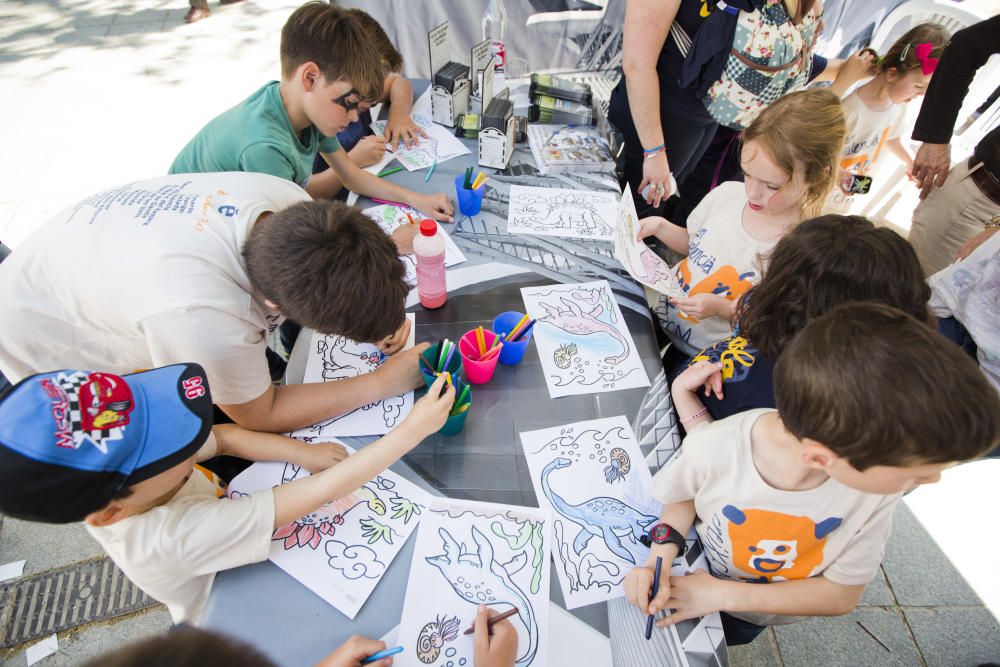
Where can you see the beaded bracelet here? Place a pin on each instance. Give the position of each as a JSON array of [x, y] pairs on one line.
[[654, 151], [700, 413]]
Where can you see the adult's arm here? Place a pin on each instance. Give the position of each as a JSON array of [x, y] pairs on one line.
[[647, 24]]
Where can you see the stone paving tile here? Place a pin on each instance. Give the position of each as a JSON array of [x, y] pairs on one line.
[[918, 572], [955, 636], [878, 593], [761, 652], [135, 29], [839, 640], [45, 546]]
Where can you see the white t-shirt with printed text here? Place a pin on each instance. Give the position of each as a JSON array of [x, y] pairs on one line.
[[753, 532], [146, 275], [722, 259]]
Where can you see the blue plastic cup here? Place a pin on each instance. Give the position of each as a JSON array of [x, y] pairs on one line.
[[469, 201], [512, 351]]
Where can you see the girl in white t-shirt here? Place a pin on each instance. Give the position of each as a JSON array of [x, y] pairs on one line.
[[876, 110], [789, 159]]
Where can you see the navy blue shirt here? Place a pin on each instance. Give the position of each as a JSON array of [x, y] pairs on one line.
[[748, 377]]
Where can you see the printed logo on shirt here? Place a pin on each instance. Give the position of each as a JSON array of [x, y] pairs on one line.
[[228, 210], [771, 546], [214, 480], [732, 353], [88, 407], [724, 282]]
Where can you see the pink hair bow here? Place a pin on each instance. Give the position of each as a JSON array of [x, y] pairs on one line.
[[923, 54]]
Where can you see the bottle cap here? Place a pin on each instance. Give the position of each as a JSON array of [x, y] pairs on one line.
[[428, 227]]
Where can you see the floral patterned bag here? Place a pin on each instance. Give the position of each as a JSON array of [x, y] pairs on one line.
[[771, 55]]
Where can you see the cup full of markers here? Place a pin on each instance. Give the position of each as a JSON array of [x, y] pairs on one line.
[[459, 412], [480, 351], [470, 191], [514, 329], [443, 358]]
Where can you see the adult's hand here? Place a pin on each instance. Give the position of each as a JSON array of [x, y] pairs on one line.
[[656, 174], [930, 166]]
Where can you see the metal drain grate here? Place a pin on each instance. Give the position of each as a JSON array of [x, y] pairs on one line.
[[57, 600]]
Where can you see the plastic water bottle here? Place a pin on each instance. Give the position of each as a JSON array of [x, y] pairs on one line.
[[495, 30], [428, 247]]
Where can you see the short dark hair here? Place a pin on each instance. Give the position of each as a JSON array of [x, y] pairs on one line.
[[329, 267], [335, 40], [184, 646], [387, 51], [879, 387], [822, 263]]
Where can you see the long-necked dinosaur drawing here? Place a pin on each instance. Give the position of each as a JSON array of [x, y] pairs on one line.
[[573, 320], [608, 518]]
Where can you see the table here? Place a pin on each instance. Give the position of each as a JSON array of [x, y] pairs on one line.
[[484, 462]]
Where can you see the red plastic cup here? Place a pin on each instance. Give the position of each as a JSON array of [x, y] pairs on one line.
[[477, 372]]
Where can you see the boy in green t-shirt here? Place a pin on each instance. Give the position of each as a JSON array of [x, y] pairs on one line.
[[328, 69]]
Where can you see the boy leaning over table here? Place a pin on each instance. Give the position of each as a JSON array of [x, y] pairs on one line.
[[121, 453], [798, 501]]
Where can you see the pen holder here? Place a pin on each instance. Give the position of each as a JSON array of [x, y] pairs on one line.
[[454, 366], [477, 372], [469, 201], [513, 351], [455, 423]]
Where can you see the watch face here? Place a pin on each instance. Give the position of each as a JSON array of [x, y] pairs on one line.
[[659, 533]]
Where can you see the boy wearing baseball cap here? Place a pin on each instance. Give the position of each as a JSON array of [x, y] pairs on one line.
[[121, 453]]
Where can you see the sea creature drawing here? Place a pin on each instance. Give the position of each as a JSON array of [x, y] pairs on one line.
[[563, 356], [477, 578], [618, 467], [434, 635], [654, 268], [605, 517], [572, 319]]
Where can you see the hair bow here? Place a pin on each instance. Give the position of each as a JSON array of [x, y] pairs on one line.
[[923, 54]]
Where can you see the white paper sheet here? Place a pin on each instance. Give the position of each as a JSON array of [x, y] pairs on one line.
[[390, 217], [12, 570], [469, 554], [341, 550], [579, 214], [592, 476], [42, 649], [639, 259], [441, 144], [333, 358], [582, 339], [352, 197]]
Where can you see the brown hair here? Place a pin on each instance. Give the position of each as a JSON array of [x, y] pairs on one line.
[[804, 130], [324, 34], [329, 267], [902, 55], [822, 263], [184, 646], [881, 388], [391, 57]]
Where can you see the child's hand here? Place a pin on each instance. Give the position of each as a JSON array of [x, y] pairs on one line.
[[396, 341], [844, 179], [403, 130], [368, 151], [496, 646], [436, 206], [695, 595], [701, 306], [320, 456], [401, 372], [702, 374], [860, 65], [403, 237], [649, 227], [430, 412], [638, 584], [969, 246], [353, 651]]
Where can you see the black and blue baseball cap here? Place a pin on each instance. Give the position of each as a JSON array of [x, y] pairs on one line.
[[71, 441]]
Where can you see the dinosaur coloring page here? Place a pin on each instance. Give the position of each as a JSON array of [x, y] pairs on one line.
[[639, 259], [333, 358], [440, 143], [390, 217], [341, 550], [593, 477], [467, 554], [578, 214], [582, 339]]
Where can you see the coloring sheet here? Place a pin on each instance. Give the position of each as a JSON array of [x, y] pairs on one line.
[[582, 339], [467, 554], [592, 476], [440, 144], [341, 550], [578, 214], [390, 217], [639, 259], [333, 358]]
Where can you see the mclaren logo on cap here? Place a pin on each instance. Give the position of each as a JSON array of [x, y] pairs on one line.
[[88, 407]]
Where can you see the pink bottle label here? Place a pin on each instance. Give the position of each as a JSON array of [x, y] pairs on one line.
[[431, 285]]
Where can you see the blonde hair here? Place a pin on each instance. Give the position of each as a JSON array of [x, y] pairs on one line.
[[804, 130], [902, 55]]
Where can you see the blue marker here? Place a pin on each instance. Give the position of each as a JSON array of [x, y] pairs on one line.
[[430, 172], [656, 589], [388, 653]]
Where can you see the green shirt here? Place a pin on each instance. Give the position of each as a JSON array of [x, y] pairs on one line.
[[255, 135]]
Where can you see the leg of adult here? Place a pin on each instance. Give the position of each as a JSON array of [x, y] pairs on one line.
[[719, 163], [948, 217], [199, 10], [738, 631]]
